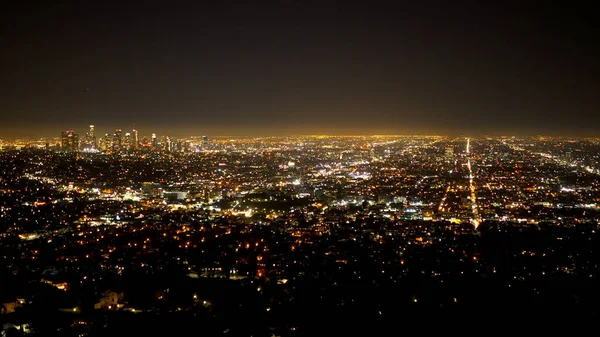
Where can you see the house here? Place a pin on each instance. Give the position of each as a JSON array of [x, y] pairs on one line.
[[10, 307], [109, 301]]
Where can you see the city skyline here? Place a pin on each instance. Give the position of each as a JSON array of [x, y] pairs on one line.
[[50, 133]]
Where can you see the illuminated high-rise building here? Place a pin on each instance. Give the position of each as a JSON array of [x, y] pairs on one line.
[[135, 142], [75, 143], [154, 141], [117, 140], [64, 139], [90, 139], [106, 142], [168, 144], [163, 143], [102, 143], [70, 141], [127, 141], [204, 141]]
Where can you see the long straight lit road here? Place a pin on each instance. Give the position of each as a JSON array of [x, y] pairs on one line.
[[475, 220]]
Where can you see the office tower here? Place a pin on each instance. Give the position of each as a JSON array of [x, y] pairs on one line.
[[186, 146], [70, 141], [90, 139], [92, 134], [135, 141], [127, 141], [75, 143], [154, 141], [102, 143], [106, 142], [169, 144], [118, 140], [64, 138], [163, 143], [204, 141]]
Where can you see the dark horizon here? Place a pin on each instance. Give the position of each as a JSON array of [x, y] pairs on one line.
[[300, 67]]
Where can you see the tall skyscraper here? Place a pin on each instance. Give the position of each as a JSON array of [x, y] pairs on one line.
[[91, 133], [154, 141], [64, 139], [204, 141], [90, 139], [127, 141], [106, 142], [75, 143], [163, 143], [70, 141], [135, 142], [118, 140], [169, 144]]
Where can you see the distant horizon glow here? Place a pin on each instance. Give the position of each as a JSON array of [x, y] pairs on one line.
[[148, 131]]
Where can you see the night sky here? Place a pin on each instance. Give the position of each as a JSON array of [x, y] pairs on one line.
[[300, 67]]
